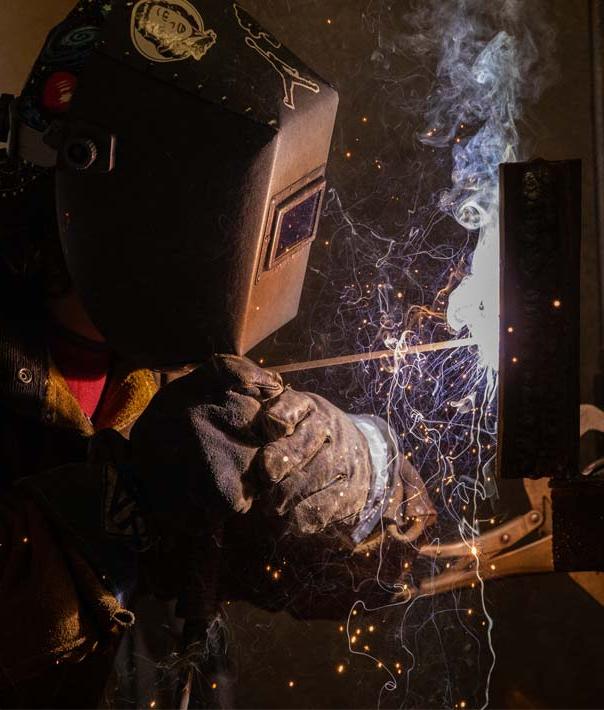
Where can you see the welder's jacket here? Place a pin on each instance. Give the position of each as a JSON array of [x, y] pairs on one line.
[[60, 623]]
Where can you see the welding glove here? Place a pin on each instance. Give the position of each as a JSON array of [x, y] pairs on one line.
[[230, 434], [229, 438], [317, 468], [322, 575], [195, 446], [217, 442]]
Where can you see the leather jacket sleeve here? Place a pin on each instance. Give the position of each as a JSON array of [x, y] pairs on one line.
[[55, 608]]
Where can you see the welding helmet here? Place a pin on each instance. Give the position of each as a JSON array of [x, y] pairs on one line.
[[189, 148]]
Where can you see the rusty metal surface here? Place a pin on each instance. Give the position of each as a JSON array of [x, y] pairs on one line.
[[539, 361]]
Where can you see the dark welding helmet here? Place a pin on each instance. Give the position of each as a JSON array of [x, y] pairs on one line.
[[190, 149]]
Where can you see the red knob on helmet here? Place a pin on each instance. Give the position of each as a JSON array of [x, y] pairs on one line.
[[58, 92]]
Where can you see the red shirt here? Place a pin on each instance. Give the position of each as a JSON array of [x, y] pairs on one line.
[[84, 364]]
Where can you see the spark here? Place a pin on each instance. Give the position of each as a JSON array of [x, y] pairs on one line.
[[421, 284]]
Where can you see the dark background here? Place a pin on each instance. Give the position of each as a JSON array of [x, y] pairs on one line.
[[548, 632]]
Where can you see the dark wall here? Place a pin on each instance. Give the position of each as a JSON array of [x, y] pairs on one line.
[[548, 631]]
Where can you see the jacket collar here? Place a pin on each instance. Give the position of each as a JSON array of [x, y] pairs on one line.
[[31, 385], [24, 365]]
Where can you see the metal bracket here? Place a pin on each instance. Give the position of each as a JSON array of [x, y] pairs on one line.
[[486, 558], [490, 556], [76, 145]]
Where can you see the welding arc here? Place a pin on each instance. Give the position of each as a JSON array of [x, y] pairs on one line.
[[366, 357]]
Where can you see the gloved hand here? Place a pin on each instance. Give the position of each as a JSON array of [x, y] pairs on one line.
[[317, 466], [225, 438], [323, 575], [228, 434], [195, 446]]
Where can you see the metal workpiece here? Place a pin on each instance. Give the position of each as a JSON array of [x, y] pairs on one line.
[[539, 327]]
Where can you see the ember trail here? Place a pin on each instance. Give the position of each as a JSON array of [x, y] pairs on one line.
[[435, 280]]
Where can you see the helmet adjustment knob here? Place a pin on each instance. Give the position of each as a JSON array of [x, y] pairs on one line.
[[80, 153]]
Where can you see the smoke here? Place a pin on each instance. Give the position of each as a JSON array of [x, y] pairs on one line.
[[494, 60], [435, 95], [489, 61]]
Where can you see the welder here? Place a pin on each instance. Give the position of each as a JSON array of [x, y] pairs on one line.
[[161, 190]]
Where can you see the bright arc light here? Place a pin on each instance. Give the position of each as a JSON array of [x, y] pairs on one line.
[[475, 302]]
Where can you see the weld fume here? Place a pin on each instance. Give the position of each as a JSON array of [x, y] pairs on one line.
[[492, 61], [490, 67], [394, 258], [484, 81]]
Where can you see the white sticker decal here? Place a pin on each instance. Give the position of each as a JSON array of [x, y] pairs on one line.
[[264, 43], [170, 31]]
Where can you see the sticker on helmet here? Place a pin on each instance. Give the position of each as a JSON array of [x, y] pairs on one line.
[[170, 31], [264, 43], [69, 47]]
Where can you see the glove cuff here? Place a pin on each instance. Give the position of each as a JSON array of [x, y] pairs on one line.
[[384, 461], [96, 504]]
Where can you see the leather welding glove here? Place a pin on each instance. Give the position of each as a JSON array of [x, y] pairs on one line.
[[194, 447], [219, 441], [230, 433], [187, 466], [317, 467]]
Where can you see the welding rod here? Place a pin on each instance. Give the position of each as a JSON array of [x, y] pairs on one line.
[[365, 357]]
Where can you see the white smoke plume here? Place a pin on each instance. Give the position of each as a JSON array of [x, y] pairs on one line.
[[495, 59]]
